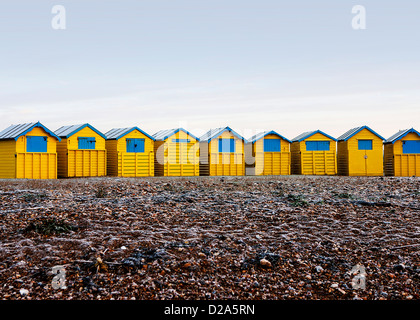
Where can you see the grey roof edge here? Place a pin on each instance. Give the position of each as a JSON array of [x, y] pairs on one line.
[[16, 131], [401, 134], [262, 134], [350, 133], [214, 133], [166, 133], [118, 133], [306, 135], [76, 128]]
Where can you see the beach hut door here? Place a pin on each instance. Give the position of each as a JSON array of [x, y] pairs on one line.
[[365, 145]]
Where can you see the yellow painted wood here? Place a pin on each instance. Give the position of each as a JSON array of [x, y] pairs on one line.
[[73, 162], [7, 159], [34, 165], [398, 164], [354, 162], [313, 162], [86, 163], [127, 164], [215, 163], [177, 159], [259, 162], [16, 163]]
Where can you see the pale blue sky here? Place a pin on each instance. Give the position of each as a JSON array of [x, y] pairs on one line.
[[289, 66]]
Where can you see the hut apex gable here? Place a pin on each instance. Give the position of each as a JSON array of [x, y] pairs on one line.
[[401, 134], [352, 132], [118, 133], [16, 131], [214, 133], [165, 134], [261, 135], [309, 134], [68, 131]]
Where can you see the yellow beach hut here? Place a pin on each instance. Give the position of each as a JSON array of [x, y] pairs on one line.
[[267, 153], [222, 153], [28, 151], [360, 153], [176, 153], [130, 152], [313, 153], [402, 154], [81, 151]]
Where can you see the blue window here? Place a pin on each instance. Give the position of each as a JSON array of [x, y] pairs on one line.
[[135, 145], [272, 145], [317, 146], [323, 146], [87, 143], [226, 145], [365, 144], [36, 144], [181, 140], [311, 145], [411, 146]]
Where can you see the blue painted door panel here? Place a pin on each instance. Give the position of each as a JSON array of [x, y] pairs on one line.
[[135, 145], [272, 145], [317, 145], [36, 144], [226, 145], [86, 143], [411, 146]]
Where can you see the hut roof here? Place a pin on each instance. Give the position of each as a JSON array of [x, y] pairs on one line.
[[261, 135], [308, 134], [164, 134], [401, 134], [214, 133], [68, 131], [117, 133], [350, 133], [17, 130]]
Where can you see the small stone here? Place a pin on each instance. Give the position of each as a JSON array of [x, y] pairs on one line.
[[341, 290], [399, 267], [202, 255], [319, 269], [265, 263], [123, 248], [334, 285], [24, 292], [21, 263]]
